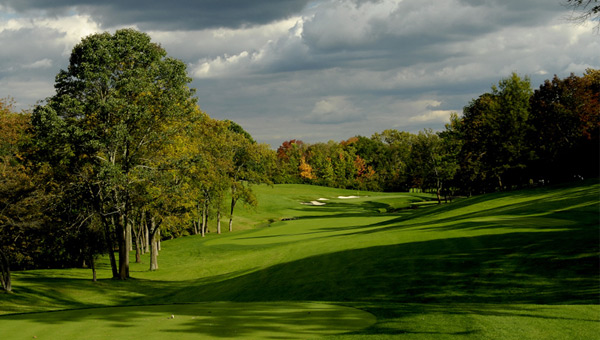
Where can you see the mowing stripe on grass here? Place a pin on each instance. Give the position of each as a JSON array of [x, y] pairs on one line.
[[268, 320]]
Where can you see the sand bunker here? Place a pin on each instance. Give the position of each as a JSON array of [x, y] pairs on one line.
[[323, 199], [313, 203], [347, 197]]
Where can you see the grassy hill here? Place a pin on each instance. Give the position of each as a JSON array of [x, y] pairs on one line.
[[515, 265]]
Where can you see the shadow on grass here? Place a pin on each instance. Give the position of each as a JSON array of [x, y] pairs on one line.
[[285, 320], [551, 264], [578, 206], [456, 276], [559, 267]]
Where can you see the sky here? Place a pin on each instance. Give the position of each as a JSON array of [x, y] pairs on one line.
[[314, 70]]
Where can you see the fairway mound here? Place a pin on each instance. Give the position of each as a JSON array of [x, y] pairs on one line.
[[213, 320], [313, 203]]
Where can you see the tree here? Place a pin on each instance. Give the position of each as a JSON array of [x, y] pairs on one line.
[[432, 162], [23, 199], [289, 156], [114, 107], [13, 185], [565, 115], [321, 163], [248, 167], [393, 166], [584, 10], [494, 131], [306, 171]]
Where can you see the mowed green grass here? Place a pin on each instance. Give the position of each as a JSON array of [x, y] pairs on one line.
[[513, 265]]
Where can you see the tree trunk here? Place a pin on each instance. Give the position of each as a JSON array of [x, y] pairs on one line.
[[158, 240], [146, 238], [129, 236], [123, 255], [111, 250], [233, 201], [138, 245], [137, 236], [154, 253], [219, 221], [93, 265], [197, 223], [5, 277], [204, 218], [153, 246]]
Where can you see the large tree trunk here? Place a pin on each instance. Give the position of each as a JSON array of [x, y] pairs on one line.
[[129, 236], [123, 245], [123, 254], [5, 277], [111, 250]]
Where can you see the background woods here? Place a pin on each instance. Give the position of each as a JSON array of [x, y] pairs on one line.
[[510, 137]]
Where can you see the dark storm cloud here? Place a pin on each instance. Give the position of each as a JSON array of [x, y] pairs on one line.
[[313, 70], [167, 15]]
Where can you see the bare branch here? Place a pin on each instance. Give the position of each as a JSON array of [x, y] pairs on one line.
[[583, 11]]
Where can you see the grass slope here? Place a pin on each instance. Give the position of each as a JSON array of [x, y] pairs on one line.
[[517, 265]]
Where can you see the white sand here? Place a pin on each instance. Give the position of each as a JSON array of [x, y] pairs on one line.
[[347, 197], [313, 203]]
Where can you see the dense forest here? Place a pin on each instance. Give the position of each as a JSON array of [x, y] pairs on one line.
[[121, 156], [507, 138]]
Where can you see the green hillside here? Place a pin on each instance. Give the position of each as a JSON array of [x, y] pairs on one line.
[[514, 265]]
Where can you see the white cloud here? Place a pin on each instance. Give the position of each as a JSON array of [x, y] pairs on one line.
[[438, 116], [71, 28], [283, 50], [333, 110], [43, 63]]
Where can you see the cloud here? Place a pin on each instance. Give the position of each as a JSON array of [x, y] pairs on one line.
[[166, 15], [282, 50], [430, 114], [333, 110], [313, 70], [43, 63]]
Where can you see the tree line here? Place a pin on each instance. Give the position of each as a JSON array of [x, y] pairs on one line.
[[510, 137], [121, 156]]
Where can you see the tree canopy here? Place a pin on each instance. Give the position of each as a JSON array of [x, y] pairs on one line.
[[119, 103]]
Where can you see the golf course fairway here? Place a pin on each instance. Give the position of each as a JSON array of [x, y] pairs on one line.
[[294, 320], [359, 265]]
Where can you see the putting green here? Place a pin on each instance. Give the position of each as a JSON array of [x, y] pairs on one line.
[[281, 320]]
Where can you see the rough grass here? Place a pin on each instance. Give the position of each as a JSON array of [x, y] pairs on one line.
[[516, 265]]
